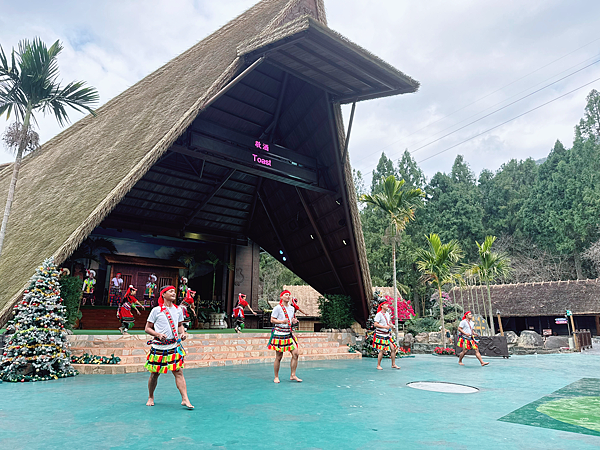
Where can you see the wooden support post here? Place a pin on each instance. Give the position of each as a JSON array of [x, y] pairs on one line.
[[597, 325], [574, 335], [500, 324]]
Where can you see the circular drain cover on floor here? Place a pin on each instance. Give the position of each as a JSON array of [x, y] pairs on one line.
[[440, 386]]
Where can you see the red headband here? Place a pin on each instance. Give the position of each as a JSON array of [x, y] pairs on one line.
[[161, 301], [285, 292], [466, 314], [129, 289]]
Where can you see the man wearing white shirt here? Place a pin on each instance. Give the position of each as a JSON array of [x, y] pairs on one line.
[[282, 340], [165, 324], [382, 340], [466, 340]]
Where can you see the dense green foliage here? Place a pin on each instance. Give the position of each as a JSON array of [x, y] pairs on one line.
[[336, 311], [70, 291], [545, 214]]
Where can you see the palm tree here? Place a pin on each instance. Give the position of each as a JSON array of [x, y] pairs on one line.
[[214, 261], [30, 84], [491, 266], [88, 250], [400, 204], [438, 264]]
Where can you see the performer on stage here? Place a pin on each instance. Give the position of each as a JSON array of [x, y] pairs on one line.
[[115, 291], [294, 303], [466, 338], [124, 313], [88, 288], [382, 340], [238, 313], [282, 340], [165, 325], [183, 287], [150, 288], [187, 306]]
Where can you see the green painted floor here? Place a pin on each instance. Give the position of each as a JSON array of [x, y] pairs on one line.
[[340, 405]]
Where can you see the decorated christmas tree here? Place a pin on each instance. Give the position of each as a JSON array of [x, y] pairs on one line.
[[38, 345]]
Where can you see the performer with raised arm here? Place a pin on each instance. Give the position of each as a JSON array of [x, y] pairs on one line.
[[238, 313], [124, 313], [382, 340], [187, 305], [466, 338], [282, 340], [165, 325]]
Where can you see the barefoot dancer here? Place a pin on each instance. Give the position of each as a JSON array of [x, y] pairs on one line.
[[466, 332], [382, 340], [282, 340], [124, 313], [166, 354], [238, 313]]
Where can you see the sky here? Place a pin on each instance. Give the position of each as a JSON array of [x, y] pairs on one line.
[[471, 58]]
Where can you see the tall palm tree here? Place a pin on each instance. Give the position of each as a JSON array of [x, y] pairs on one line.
[[30, 84], [400, 205], [490, 266], [438, 264]]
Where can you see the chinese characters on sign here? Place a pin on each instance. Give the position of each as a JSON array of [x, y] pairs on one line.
[[258, 159], [261, 145]]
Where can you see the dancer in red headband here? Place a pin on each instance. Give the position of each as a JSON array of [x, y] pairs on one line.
[[466, 339], [382, 340], [165, 325], [124, 313], [282, 340], [238, 313]]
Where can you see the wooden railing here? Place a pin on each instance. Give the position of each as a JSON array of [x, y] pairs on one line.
[[584, 339]]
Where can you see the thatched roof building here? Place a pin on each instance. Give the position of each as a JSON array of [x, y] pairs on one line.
[[183, 153], [548, 298]]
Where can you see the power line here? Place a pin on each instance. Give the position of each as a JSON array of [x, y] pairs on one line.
[[510, 120], [500, 109], [485, 96], [512, 96]]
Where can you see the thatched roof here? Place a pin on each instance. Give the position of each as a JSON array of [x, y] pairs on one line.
[[308, 297], [548, 298], [163, 155]]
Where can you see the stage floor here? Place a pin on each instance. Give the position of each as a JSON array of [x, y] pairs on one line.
[[340, 405]]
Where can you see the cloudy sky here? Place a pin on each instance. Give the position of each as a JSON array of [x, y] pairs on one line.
[[471, 58]]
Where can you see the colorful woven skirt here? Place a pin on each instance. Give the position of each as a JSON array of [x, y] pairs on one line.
[[383, 342], [282, 343], [467, 342], [161, 361]]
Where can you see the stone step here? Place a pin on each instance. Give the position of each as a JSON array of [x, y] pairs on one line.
[[139, 356], [88, 369]]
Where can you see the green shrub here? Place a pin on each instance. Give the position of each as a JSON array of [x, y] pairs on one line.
[[336, 311], [70, 291], [422, 325]]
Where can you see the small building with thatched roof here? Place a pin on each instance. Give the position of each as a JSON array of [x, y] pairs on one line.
[[236, 143], [536, 306]]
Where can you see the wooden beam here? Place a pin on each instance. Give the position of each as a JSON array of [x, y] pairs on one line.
[[247, 105], [273, 125], [288, 261], [303, 116], [253, 207], [237, 116], [303, 77], [348, 133], [199, 208], [346, 204], [255, 89], [319, 71], [354, 65], [251, 170], [318, 233], [337, 66], [161, 194]]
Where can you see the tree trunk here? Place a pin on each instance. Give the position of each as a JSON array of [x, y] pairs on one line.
[[395, 288], [442, 314], [577, 258], [15, 175], [493, 331]]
